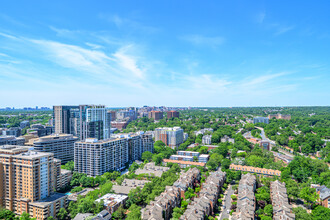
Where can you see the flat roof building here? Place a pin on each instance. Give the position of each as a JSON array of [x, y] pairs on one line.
[[61, 145], [172, 137]]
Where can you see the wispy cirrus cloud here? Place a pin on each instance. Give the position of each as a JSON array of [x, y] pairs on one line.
[[282, 29], [200, 40]]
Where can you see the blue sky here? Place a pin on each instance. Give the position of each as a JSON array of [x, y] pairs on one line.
[[173, 53]]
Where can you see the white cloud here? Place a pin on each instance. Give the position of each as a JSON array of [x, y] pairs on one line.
[[204, 40], [283, 29]]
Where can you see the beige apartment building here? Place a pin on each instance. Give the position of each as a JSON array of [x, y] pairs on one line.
[[27, 177]]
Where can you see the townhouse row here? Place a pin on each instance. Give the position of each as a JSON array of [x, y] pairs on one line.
[[206, 203], [246, 202], [281, 207], [163, 205]]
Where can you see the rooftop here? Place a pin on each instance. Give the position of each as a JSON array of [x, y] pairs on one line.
[[49, 200]]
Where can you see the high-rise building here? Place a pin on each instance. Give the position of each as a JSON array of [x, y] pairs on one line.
[[27, 182], [61, 145], [172, 137], [173, 114], [95, 157], [84, 121], [62, 118], [156, 115]]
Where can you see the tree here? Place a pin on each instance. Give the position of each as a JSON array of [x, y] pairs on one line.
[[147, 155], [26, 216], [309, 195], [268, 210], [120, 213], [301, 214], [157, 158], [62, 214], [51, 218], [134, 213], [320, 213], [7, 214], [214, 161], [225, 163]]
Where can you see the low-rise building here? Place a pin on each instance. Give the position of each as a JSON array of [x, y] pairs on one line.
[[127, 185], [282, 157], [203, 131], [207, 139], [188, 179], [183, 164], [265, 144], [13, 131], [257, 170], [103, 215], [24, 124], [206, 203], [281, 207], [11, 140], [152, 169], [47, 207], [227, 139], [188, 153], [324, 195], [120, 125], [112, 201], [246, 203]]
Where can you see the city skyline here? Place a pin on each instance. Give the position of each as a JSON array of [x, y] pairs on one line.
[[213, 54]]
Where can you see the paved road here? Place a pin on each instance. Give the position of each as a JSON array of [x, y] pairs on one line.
[[227, 202]]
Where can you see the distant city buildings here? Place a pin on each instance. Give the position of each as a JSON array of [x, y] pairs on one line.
[[172, 137], [173, 114], [28, 182], [156, 115], [120, 125], [279, 116], [83, 121], [260, 120], [61, 145], [95, 157]]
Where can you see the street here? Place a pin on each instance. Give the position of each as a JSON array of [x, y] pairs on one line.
[[227, 202]]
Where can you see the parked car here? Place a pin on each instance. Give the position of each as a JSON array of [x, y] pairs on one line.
[[228, 211]]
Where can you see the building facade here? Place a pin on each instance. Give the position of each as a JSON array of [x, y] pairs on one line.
[[11, 140], [95, 157], [156, 115], [207, 139], [173, 114], [260, 120], [172, 137], [27, 181], [61, 145], [83, 121]]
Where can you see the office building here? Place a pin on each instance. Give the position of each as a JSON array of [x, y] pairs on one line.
[[11, 140], [173, 114], [83, 121], [260, 120], [207, 139], [28, 181], [24, 124], [156, 115], [95, 157], [61, 145], [61, 115], [172, 137]]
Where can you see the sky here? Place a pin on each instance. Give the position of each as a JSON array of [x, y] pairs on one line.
[[172, 53]]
